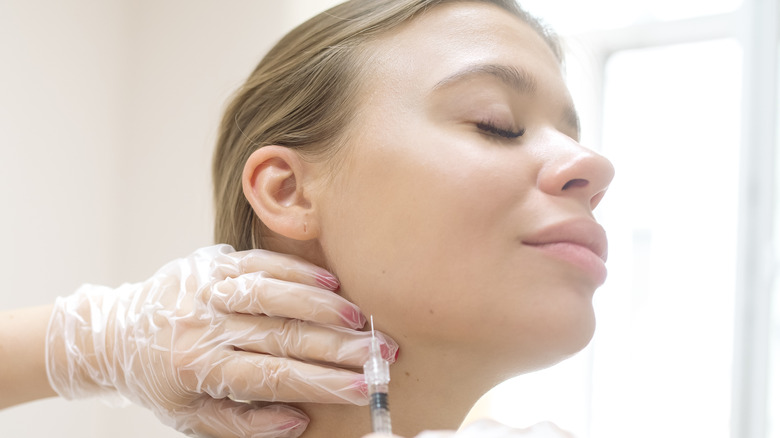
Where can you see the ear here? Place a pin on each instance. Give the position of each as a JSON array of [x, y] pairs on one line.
[[274, 184]]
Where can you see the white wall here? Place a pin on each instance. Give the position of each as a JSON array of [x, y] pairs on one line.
[[60, 83], [108, 114]]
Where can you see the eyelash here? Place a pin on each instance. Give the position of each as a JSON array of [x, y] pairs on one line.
[[492, 129]]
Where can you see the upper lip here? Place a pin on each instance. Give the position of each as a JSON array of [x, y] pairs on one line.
[[583, 232]]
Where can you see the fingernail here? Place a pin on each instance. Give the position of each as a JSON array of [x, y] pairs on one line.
[[327, 280], [292, 424], [361, 385], [353, 317], [292, 429], [388, 348]]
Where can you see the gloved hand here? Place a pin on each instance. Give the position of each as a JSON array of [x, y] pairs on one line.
[[491, 429], [208, 331]]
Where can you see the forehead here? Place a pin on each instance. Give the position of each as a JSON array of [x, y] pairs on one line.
[[456, 36]]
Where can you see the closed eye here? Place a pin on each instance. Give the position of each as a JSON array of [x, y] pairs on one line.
[[492, 129]]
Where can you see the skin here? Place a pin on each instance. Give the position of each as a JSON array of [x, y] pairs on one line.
[[22, 337], [426, 220]]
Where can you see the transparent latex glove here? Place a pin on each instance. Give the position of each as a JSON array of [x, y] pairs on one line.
[[209, 330], [492, 429]]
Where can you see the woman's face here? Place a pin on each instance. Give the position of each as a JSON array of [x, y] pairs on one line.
[[462, 212]]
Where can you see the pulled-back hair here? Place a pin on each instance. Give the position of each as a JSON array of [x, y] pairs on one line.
[[302, 95]]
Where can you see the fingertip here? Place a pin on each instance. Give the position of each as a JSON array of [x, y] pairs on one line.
[[353, 317], [293, 428], [276, 420], [388, 347], [288, 268], [381, 435], [355, 393], [226, 417], [362, 387], [326, 280]]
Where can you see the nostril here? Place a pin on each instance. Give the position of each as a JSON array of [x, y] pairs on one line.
[[575, 183]]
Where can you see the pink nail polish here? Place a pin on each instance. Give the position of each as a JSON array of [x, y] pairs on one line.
[[388, 348], [361, 385], [292, 424], [327, 281], [389, 352], [353, 317]]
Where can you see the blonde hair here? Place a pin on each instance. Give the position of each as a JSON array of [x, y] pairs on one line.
[[302, 95]]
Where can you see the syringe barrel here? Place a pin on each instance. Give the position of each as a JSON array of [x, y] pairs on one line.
[[376, 371], [380, 412]]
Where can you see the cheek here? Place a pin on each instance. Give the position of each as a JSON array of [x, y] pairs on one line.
[[430, 248], [419, 242], [390, 247]]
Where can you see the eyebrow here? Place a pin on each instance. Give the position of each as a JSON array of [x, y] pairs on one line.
[[513, 77]]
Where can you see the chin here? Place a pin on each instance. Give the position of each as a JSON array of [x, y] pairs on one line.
[[547, 356], [571, 336], [548, 337], [580, 336]]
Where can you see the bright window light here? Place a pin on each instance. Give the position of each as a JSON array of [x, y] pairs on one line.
[[664, 346], [660, 363], [575, 16]]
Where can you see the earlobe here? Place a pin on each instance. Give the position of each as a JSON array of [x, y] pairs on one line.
[[274, 184]]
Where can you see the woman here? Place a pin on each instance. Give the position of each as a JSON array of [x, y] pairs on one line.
[[425, 152]]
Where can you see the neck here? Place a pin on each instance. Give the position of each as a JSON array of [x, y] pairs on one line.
[[429, 389]]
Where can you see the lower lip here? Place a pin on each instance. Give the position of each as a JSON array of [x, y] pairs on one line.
[[579, 256]]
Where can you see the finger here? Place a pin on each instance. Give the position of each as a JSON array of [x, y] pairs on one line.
[[249, 376], [228, 418], [280, 266], [257, 294], [381, 435], [297, 339]]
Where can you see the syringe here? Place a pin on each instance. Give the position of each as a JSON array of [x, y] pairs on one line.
[[377, 374]]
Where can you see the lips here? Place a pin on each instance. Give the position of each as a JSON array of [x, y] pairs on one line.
[[580, 243], [581, 232]]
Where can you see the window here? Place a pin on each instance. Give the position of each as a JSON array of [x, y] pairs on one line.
[[666, 336], [682, 97], [571, 17]]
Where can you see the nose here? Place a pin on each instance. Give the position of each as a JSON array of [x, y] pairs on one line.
[[571, 170]]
